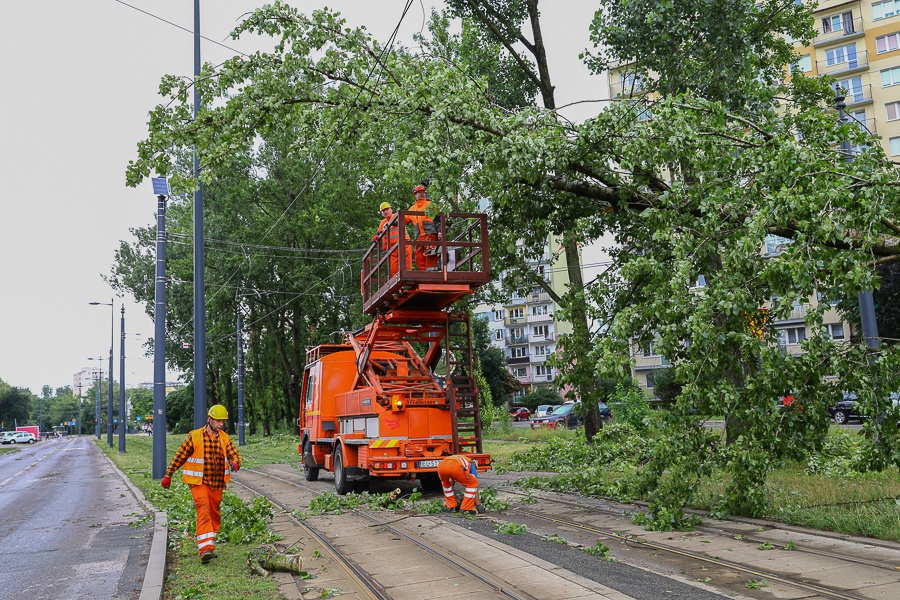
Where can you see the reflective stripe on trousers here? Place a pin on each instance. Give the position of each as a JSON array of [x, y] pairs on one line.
[[207, 502]]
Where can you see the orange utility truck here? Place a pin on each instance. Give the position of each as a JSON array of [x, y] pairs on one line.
[[400, 394]]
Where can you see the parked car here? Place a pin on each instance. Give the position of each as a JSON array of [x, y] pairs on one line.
[[605, 412], [847, 409], [19, 437], [562, 417], [519, 413], [543, 410], [4, 435]]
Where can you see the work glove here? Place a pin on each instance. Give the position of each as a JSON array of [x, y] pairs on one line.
[[166, 482], [235, 466], [374, 238]]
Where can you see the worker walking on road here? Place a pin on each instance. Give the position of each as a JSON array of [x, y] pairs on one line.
[[459, 469], [210, 457], [391, 238], [425, 230]]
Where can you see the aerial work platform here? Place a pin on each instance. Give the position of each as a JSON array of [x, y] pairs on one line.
[[462, 257]]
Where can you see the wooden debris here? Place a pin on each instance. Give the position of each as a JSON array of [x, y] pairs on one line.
[[266, 558]]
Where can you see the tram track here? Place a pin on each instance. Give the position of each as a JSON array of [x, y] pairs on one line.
[[632, 540], [493, 585]]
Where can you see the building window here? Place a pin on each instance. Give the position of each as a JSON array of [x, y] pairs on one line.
[[516, 313], [647, 349], [792, 335], [887, 43], [883, 10], [775, 244], [543, 309], [498, 335], [542, 370], [519, 352], [890, 77], [895, 146], [542, 350], [651, 379], [498, 315], [804, 64], [852, 88], [893, 110], [541, 330], [842, 22], [835, 330], [844, 54], [521, 372]]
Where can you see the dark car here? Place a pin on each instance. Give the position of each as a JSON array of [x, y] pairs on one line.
[[562, 417], [845, 410], [519, 413]]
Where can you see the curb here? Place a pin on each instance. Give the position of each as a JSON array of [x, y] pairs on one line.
[[156, 565]]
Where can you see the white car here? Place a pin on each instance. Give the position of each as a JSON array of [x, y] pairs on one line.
[[19, 437]]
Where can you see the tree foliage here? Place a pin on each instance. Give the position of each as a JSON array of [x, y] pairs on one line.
[[689, 172]]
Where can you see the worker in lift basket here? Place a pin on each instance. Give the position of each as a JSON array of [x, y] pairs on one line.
[[211, 457], [391, 238], [425, 229], [458, 468]]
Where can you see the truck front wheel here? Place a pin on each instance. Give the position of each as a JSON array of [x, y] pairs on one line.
[[341, 484], [310, 473]]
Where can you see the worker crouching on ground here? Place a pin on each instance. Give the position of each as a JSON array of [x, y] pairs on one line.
[[459, 469], [425, 230], [391, 239], [211, 457]]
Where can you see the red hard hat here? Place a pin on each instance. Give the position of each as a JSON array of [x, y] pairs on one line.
[[418, 188]]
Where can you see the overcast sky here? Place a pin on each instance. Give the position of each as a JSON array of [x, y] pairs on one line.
[[79, 79]]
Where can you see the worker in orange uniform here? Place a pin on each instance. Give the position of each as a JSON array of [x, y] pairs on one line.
[[425, 230], [391, 239], [211, 457], [459, 469]]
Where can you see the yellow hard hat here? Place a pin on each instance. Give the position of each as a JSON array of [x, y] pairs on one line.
[[384, 205], [218, 412]]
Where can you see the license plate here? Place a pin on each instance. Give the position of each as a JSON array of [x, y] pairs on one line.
[[428, 464]]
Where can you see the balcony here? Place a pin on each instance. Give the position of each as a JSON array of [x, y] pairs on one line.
[[539, 297], [538, 359], [858, 95], [540, 318], [851, 29], [550, 337], [798, 313], [860, 60], [515, 321], [519, 360], [524, 379], [516, 341]]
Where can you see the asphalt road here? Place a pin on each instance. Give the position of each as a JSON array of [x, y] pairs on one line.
[[64, 529]]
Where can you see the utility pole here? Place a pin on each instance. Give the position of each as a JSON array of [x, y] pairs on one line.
[[161, 189], [199, 256], [122, 386], [866, 301]]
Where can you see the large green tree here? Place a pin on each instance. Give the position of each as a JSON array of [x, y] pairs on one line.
[[712, 149]]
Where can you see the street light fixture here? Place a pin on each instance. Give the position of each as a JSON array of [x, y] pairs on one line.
[[112, 333]]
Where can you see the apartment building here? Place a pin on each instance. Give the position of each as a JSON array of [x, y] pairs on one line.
[[526, 328], [86, 380], [858, 43]]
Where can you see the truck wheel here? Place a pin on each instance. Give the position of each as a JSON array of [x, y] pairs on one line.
[[430, 482], [341, 485], [840, 417], [310, 473]]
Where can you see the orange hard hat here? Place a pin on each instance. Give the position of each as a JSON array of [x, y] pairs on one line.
[[418, 188]]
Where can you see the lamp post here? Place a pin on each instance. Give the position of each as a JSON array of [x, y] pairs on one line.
[[112, 333], [122, 386], [161, 189]]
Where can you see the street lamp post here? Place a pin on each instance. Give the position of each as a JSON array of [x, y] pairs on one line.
[[161, 189], [122, 386], [112, 333]]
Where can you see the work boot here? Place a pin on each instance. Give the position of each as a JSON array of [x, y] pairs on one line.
[[480, 509], [207, 556], [446, 509]]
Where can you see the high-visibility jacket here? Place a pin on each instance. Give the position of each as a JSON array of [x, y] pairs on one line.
[[393, 234], [424, 225], [192, 473]]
